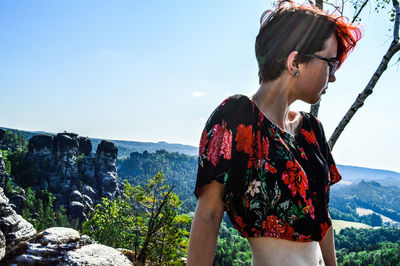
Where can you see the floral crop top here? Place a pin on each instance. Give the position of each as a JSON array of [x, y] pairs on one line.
[[276, 185]]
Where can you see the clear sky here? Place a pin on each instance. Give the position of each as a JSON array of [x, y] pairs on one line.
[[155, 70]]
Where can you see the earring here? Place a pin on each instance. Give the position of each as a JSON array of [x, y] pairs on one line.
[[296, 73]]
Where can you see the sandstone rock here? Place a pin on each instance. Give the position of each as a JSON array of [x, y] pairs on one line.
[[105, 168], [87, 200], [3, 173], [59, 235], [39, 143], [89, 191], [85, 146], [66, 148], [2, 245], [75, 196], [109, 184], [62, 246], [13, 226], [95, 254], [76, 211]]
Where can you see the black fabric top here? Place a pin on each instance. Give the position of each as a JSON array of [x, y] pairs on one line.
[[276, 185]]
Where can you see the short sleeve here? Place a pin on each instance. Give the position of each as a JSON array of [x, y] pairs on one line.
[[218, 155]]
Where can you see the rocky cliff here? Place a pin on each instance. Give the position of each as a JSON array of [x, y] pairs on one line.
[[64, 165]]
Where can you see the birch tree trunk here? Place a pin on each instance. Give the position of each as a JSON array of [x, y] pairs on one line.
[[393, 49], [315, 107]]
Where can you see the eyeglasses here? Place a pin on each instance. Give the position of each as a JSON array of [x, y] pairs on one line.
[[333, 63]]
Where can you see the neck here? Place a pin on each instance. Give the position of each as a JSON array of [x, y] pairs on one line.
[[273, 99]]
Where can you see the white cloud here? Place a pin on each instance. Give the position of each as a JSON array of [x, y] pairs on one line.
[[198, 94]]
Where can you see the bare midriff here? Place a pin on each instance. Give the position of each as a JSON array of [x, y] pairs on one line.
[[275, 251]]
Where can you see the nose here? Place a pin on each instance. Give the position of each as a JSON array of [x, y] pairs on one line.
[[332, 78]]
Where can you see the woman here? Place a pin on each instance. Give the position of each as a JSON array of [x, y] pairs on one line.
[[268, 167]]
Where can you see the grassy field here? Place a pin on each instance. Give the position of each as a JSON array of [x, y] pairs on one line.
[[339, 225]]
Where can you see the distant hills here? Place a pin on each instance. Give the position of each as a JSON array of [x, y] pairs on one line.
[[350, 174], [355, 174], [124, 147]]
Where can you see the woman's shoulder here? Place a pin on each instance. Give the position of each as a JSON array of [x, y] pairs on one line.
[[233, 110]]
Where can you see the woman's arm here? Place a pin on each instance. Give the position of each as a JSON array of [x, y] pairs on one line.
[[205, 224], [328, 248]]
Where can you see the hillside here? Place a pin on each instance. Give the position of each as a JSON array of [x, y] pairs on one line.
[[355, 174]]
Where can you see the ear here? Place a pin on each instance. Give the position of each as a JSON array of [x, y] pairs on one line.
[[292, 63]]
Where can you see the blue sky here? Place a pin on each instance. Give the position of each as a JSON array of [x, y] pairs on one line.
[[155, 70]]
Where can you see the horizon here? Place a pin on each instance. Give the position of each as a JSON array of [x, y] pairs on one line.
[[154, 71], [345, 165]]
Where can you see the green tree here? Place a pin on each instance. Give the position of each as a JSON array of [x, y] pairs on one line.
[[145, 219]]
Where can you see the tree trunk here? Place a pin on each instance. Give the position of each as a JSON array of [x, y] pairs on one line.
[[315, 107], [393, 49]]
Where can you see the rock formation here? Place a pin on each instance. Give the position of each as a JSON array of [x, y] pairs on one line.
[[13, 227], [65, 165], [62, 246]]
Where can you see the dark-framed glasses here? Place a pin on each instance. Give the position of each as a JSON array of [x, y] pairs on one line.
[[333, 63]]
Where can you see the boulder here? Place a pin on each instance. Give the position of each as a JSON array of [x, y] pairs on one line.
[[58, 235], [95, 254], [62, 246], [14, 227]]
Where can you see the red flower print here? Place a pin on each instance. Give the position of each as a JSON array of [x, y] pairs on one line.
[[265, 147], [309, 208], [303, 154], [244, 138], [309, 136], [270, 168], [271, 227], [215, 146], [203, 142], [226, 148], [324, 227], [239, 223], [334, 174], [258, 145], [304, 238], [295, 178], [287, 232]]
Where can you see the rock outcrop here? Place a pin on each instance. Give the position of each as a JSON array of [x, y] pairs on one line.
[[13, 227], [65, 166], [62, 246]]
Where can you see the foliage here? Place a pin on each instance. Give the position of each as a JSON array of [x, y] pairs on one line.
[[232, 249], [144, 219], [387, 254], [180, 168], [355, 240], [13, 141], [38, 209]]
